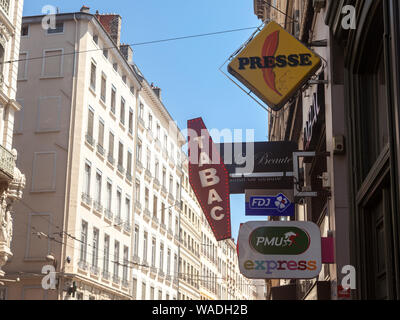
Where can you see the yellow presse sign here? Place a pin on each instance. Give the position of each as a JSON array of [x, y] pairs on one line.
[[274, 65]]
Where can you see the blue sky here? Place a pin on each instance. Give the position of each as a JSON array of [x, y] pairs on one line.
[[187, 71]]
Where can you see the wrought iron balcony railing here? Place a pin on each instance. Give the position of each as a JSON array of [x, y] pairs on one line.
[[7, 162]]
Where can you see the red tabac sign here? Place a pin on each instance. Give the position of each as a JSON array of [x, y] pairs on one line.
[[209, 179]]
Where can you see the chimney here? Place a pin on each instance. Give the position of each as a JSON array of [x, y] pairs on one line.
[[85, 9], [127, 52], [157, 91], [112, 24]]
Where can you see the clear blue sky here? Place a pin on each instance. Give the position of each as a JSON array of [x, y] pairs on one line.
[[187, 71]]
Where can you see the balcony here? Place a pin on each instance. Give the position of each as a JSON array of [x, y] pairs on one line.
[[171, 162], [121, 169], [98, 207], [161, 274], [125, 283], [138, 207], [106, 275], [108, 214], [136, 260], [5, 5], [156, 184], [165, 153], [163, 228], [142, 125], [7, 162], [147, 215], [118, 222], [171, 199], [170, 234], [83, 265], [150, 135], [90, 140], [139, 166], [147, 175], [153, 272], [164, 191], [129, 177], [94, 270], [154, 221], [158, 144], [127, 227], [86, 199], [168, 278], [101, 150], [111, 159], [116, 279]]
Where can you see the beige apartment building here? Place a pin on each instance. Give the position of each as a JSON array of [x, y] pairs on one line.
[[12, 182]]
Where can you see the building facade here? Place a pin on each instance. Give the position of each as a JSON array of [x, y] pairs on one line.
[[349, 116], [12, 182]]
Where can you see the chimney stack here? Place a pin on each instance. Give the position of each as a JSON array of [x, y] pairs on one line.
[[157, 91], [112, 23], [127, 52]]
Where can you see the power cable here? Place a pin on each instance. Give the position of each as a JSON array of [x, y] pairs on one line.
[[132, 45]]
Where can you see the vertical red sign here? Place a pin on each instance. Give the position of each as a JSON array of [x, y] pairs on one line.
[[209, 179]]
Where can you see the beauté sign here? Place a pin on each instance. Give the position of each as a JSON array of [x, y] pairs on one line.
[[279, 250], [209, 179], [274, 65]]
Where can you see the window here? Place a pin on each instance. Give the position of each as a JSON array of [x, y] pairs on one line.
[[169, 261], [86, 188], [95, 248], [150, 122], [119, 203], [153, 252], [169, 220], [116, 259], [165, 142], [89, 135], [164, 178], [93, 76], [124, 79], [141, 111], [161, 257], [109, 196], [159, 295], [115, 66], [155, 201], [158, 131], [146, 198], [52, 63], [139, 152], [145, 244], [111, 147], [25, 30], [134, 288], [157, 169], [125, 266], [105, 53], [103, 92], [113, 99], [128, 210], [132, 89], [130, 121], [96, 39], [84, 239], [121, 155], [148, 159], [98, 187], [144, 291], [162, 213], [171, 184], [58, 29], [136, 242], [122, 114], [129, 164], [151, 293], [137, 192], [23, 66], [101, 135]]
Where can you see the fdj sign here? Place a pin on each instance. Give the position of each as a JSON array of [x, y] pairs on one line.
[[274, 65], [280, 250], [279, 205]]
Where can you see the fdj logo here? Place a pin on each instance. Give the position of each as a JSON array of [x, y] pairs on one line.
[[280, 240]]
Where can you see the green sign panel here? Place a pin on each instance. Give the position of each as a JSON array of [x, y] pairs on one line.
[[280, 240]]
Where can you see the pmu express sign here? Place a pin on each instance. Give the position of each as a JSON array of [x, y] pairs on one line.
[[274, 65], [209, 179], [280, 250]]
